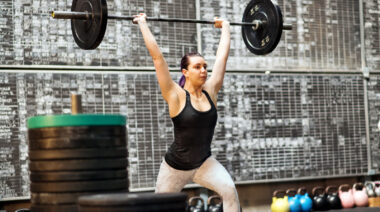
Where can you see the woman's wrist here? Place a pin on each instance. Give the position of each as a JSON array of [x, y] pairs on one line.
[[225, 24], [142, 21]]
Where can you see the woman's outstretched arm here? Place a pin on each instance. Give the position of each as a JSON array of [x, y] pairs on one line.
[[215, 82], [165, 81]]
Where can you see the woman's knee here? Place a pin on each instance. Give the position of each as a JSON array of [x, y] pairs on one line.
[[229, 192]]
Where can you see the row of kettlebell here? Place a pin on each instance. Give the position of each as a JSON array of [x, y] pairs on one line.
[[291, 200], [322, 199], [372, 188], [214, 204]]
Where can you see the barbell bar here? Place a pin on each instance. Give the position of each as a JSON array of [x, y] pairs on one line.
[[86, 15], [261, 27]]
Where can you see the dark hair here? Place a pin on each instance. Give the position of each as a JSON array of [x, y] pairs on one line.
[[184, 65]]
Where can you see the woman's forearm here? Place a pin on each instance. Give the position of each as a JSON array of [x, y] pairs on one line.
[[150, 41], [225, 40]]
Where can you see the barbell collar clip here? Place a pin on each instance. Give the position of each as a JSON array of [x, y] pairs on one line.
[[287, 27]]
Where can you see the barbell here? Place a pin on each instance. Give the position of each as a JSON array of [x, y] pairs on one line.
[[261, 27]]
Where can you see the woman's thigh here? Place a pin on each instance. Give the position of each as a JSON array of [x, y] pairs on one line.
[[172, 180], [214, 176]]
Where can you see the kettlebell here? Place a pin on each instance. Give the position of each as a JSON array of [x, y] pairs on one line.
[[279, 204], [305, 200], [346, 197], [196, 204], [293, 200], [319, 199], [333, 200], [214, 204], [370, 188], [377, 188], [360, 195]]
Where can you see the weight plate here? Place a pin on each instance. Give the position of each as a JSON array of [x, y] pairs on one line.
[[23, 210], [56, 198], [278, 37], [54, 208], [82, 165], [76, 120], [83, 132], [77, 175], [60, 198], [172, 207], [73, 143], [91, 209], [78, 153], [265, 39], [88, 34], [79, 186], [131, 199]]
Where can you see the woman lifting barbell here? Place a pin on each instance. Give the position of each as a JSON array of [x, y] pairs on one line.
[[192, 108]]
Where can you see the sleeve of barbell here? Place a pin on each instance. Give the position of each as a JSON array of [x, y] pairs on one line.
[[287, 27], [70, 15]]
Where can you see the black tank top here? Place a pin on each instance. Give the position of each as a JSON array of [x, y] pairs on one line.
[[193, 132]]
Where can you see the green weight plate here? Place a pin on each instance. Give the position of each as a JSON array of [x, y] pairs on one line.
[[54, 208], [265, 39], [73, 143], [131, 199], [81, 132], [78, 175], [76, 120], [81, 165], [165, 207], [88, 34], [79, 186], [77, 153]]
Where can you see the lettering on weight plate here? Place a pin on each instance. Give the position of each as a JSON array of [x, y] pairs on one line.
[[265, 41]]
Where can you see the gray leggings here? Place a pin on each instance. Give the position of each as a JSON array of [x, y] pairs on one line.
[[211, 174]]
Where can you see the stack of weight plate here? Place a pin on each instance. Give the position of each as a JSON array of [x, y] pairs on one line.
[[75, 155], [136, 202]]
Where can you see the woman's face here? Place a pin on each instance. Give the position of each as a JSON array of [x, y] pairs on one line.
[[197, 70]]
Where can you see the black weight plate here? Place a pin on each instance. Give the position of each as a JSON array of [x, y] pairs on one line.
[[88, 34], [79, 186], [23, 210], [131, 199], [72, 143], [77, 175], [265, 39], [92, 209], [61, 198], [54, 208], [78, 153], [73, 165], [282, 25], [166, 207], [77, 132], [56, 198]]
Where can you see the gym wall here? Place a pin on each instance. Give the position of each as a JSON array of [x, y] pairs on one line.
[[308, 110]]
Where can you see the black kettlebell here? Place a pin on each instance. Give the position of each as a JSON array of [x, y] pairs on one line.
[[319, 199], [333, 199], [214, 204], [370, 188], [196, 204]]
